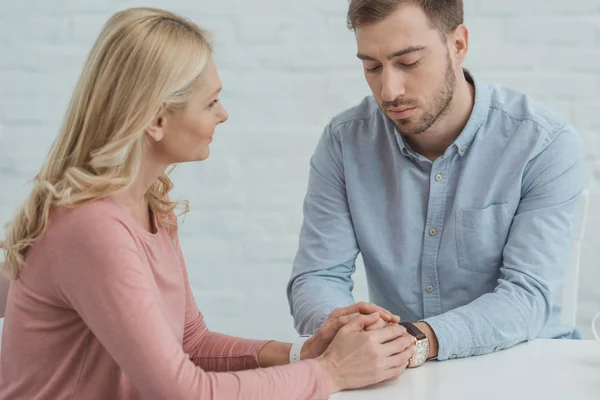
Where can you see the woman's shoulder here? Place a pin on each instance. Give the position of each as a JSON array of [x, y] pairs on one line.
[[102, 216]]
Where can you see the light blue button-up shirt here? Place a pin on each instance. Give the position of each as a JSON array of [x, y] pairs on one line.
[[476, 243]]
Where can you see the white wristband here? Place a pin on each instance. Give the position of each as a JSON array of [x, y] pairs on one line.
[[297, 348]]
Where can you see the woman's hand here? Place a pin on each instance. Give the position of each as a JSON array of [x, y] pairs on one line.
[[357, 357], [339, 318]]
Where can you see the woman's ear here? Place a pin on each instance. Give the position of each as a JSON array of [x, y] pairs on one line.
[[156, 128]]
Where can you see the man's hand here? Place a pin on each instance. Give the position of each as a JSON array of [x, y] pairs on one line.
[[339, 318]]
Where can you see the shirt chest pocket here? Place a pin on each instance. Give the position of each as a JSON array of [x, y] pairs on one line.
[[481, 235]]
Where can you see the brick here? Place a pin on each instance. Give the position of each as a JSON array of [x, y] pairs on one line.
[[262, 8], [34, 29], [503, 58], [273, 96], [548, 86], [260, 30], [571, 60], [112, 6], [85, 28], [579, 7], [220, 30], [486, 31], [15, 82], [42, 7], [507, 7], [587, 117], [325, 30], [36, 109], [66, 60], [346, 89], [470, 7], [537, 7], [552, 31]]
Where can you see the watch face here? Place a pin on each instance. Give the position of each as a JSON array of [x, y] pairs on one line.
[[421, 352]]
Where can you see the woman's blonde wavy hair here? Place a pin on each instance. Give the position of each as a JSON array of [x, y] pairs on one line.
[[143, 61]]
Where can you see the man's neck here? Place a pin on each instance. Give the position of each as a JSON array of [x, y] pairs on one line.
[[433, 143]]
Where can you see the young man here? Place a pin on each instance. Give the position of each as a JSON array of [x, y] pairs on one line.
[[461, 196]]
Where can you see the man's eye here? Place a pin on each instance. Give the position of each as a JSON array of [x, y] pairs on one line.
[[375, 69], [410, 66]]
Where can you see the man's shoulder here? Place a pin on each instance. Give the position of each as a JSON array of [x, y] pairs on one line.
[[365, 111], [521, 108]]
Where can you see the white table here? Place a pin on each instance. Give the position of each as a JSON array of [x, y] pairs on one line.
[[541, 369]]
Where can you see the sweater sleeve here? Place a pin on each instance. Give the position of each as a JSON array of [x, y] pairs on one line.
[[101, 275], [210, 350]]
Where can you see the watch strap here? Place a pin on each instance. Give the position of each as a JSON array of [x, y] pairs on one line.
[[413, 330]]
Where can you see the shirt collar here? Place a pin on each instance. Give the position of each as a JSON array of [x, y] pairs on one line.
[[479, 114]]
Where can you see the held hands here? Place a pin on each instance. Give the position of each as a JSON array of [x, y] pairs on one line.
[[360, 345], [357, 357], [339, 318]]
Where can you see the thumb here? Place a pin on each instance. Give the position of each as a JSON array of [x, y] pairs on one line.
[[359, 322]]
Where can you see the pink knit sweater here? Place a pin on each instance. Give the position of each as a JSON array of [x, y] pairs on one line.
[[103, 310]]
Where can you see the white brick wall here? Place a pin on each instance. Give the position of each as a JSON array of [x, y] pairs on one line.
[[287, 68]]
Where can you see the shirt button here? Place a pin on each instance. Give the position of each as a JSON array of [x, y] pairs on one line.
[[453, 357], [432, 232], [463, 148], [497, 348], [438, 177], [429, 288]]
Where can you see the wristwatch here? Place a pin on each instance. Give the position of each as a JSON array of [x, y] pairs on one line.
[[421, 346]]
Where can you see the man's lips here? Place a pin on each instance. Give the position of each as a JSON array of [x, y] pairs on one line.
[[401, 113]]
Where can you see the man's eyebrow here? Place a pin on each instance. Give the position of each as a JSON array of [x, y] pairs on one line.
[[391, 56]]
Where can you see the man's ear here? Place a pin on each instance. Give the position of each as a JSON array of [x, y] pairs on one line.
[[460, 39], [156, 128]]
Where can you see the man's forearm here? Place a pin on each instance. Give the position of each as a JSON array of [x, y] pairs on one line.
[[313, 296], [495, 321], [312, 301], [312, 309]]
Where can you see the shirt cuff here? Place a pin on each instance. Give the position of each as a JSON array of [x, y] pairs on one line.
[[455, 339]]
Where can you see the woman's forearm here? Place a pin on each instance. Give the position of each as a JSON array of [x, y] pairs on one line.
[[274, 354]]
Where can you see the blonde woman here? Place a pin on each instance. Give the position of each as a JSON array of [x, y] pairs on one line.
[[100, 306]]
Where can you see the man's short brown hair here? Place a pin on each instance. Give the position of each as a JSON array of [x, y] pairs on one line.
[[444, 15]]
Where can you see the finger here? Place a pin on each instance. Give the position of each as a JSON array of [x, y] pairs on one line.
[[398, 345], [360, 322], [377, 325], [400, 359], [394, 373], [338, 324], [364, 308], [367, 309], [388, 333]]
